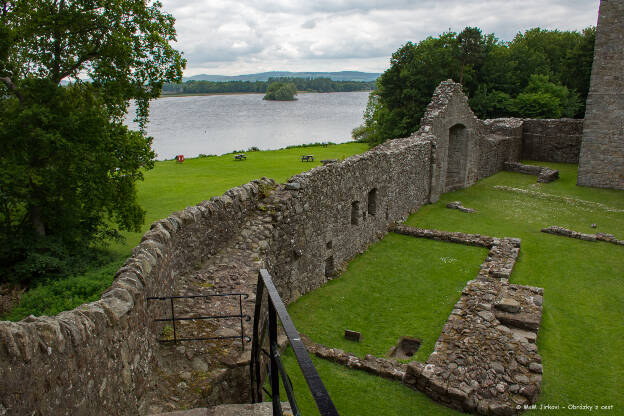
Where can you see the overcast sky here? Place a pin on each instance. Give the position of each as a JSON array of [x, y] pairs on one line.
[[232, 37]]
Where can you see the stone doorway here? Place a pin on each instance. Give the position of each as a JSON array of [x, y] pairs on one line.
[[457, 157]]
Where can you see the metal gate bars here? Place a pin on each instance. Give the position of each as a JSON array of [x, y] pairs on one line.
[[173, 319]]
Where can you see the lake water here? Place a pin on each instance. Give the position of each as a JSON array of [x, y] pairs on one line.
[[217, 124]]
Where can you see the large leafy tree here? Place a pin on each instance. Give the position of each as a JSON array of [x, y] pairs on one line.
[[540, 73], [68, 166]]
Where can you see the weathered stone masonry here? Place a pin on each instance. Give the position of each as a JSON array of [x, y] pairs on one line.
[[601, 161], [99, 357], [549, 140]]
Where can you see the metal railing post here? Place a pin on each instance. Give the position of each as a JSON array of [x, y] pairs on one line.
[[175, 338], [274, 352], [277, 309]]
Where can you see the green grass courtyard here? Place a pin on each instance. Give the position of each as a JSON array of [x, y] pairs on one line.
[[408, 286]]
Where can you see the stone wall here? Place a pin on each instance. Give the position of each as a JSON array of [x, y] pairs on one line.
[[601, 162], [552, 140], [331, 213], [98, 358], [500, 141]]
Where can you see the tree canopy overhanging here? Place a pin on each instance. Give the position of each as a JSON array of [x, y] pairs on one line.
[[68, 166], [539, 74]]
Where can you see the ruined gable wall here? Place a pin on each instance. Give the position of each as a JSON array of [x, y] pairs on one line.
[[601, 161], [448, 108]]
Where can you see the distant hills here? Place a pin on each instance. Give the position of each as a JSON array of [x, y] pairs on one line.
[[264, 76]]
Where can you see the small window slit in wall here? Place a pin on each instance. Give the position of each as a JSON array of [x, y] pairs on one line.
[[329, 267], [372, 202], [355, 212]]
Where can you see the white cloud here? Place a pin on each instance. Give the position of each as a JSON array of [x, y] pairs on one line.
[[234, 37]]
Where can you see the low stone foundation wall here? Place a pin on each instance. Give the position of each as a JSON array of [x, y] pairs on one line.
[[609, 238], [486, 359], [382, 367], [552, 140]]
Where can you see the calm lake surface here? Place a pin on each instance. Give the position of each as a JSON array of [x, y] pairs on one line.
[[217, 124]]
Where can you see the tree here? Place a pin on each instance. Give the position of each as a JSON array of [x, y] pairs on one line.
[[544, 99], [405, 89], [281, 91], [69, 165], [471, 49], [497, 77]]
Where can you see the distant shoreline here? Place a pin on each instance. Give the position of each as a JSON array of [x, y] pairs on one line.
[[249, 93]]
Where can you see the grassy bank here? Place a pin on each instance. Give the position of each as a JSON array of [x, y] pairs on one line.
[[170, 187], [582, 334]]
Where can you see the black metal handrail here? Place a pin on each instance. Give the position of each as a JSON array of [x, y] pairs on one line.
[[173, 319], [277, 309]]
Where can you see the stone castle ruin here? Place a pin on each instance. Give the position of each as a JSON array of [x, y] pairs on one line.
[[104, 357]]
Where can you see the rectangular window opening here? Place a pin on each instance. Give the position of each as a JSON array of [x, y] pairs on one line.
[[355, 212], [372, 202], [329, 267]]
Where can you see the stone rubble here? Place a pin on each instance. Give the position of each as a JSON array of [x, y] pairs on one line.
[[458, 205], [544, 174], [390, 369]]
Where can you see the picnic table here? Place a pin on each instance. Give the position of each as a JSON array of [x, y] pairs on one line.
[[307, 158], [242, 156]]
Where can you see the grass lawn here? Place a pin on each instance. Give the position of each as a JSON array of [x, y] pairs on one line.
[[170, 187], [401, 286]]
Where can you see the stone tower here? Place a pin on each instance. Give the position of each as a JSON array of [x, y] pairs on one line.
[[601, 162]]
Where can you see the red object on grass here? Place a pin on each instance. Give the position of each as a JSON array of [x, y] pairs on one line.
[[180, 158]]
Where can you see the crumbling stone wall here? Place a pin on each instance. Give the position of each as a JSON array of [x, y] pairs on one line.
[[500, 141], [601, 161], [450, 120], [333, 212], [98, 358], [552, 140]]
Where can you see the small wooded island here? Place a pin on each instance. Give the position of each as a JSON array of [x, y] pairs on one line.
[[281, 91]]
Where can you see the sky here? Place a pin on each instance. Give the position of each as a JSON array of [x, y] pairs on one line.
[[233, 37]]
